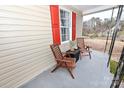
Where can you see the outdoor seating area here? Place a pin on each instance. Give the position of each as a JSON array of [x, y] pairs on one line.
[[70, 57], [88, 73], [85, 72]]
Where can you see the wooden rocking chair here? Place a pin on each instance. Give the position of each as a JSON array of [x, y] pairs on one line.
[[68, 63], [83, 48]]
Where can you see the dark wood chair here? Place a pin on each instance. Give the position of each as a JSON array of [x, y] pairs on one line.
[[83, 48], [62, 61]]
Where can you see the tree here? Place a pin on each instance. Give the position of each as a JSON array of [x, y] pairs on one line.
[[97, 25]]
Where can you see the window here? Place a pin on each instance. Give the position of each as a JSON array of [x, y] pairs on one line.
[[65, 25]]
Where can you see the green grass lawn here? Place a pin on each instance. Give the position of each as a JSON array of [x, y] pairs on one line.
[[113, 66]]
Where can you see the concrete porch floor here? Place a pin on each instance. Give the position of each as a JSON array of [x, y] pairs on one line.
[[88, 74]]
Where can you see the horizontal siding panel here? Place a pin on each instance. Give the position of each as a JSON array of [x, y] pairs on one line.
[[22, 54], [26, 9], [22, 39], [27, 75], [37, 11], [4, 47], [4, 20], [24, 28], [25, 19], [42, 24], [21, 64], [23, 60], [38, 8], [19, 50], [6, 11], [22, 33], [7, 46], [20, 71], [25, 36]]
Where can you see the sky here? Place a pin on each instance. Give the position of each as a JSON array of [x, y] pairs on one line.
[[102, 15]]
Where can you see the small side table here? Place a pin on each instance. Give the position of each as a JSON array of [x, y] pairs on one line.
[[74, 54]]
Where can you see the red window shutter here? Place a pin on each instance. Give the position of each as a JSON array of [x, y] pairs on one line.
[[54, 9], [73, 26]]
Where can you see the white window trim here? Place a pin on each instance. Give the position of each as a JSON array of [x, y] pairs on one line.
[[70, 28]]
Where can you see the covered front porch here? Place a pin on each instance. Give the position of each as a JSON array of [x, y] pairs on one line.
[[26, 60], [88, 73]]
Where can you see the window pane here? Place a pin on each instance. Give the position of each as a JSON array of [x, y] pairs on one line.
[[63, 38], [64, 22], [64, 25], [64, 14], [63, 31], [61, 13], [65, 34], [67, 37]]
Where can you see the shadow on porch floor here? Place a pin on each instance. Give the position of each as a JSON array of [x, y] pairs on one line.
[[88, 74]]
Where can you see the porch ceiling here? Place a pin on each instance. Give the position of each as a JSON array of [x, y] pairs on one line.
[[88, 9]]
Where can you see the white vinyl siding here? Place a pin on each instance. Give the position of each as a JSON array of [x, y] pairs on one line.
[[25, 36], [79, 25]]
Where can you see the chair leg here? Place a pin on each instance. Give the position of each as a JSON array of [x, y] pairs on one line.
[[90, 55], [80, 56], [55, 69], [70, 73]]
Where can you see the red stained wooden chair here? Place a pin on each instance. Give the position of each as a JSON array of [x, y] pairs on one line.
[[62, 61], [83, 48]]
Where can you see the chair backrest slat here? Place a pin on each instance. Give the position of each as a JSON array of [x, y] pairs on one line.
[[80, 42], [56, 51]]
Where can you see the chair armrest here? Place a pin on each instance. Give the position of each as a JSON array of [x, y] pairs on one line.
[[64, 54], [66, 60], [58, 60]]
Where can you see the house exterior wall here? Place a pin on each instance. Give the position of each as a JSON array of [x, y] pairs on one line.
[[25, 36], [79, 26]]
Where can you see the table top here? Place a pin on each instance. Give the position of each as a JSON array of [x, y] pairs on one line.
[[73, 52]]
